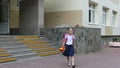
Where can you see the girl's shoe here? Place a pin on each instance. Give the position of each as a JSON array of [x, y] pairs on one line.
[[73, 66], [68, 64]]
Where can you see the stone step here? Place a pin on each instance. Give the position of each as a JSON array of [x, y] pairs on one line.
[[49, 53], [19, 37], [48, 44], [34, 47], [27, 56], [4, 43], [25, 47], [45, 47], [16, 49], [22, 56], [31, 39], [3, 60], [4, 54], [13, 46], [2, 50], [5, 36], [43, 50], [32, 42], [37, 44], [8, 41], [21, 52]]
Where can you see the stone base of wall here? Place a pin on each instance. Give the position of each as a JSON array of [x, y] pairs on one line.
[[108, 38], [88, 39]]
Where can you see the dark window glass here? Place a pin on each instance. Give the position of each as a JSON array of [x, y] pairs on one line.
[[89, 15]]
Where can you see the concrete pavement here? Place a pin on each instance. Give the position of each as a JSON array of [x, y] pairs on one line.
[[106, 58]]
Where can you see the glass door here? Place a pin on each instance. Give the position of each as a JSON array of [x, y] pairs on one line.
[[4, 16]]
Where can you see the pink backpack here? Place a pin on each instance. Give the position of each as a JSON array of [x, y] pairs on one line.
[[66, 36]]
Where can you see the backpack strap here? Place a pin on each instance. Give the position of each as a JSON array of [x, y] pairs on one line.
[[66, 37]]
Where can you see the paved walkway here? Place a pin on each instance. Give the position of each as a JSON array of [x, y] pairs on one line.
[[106, 58]]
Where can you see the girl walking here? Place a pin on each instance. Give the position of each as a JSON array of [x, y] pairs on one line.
[[68, 43]]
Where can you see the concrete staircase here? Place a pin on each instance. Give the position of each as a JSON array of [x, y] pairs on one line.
[[14, 48]]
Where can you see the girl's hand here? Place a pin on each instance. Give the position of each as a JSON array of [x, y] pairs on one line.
[[63, 45]]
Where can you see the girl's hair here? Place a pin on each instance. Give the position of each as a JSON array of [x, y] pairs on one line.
[[69, 28]]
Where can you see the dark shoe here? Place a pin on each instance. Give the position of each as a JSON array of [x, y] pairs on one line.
[[73, 66]]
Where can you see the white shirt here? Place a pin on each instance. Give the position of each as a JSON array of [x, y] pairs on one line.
[[70, 39]]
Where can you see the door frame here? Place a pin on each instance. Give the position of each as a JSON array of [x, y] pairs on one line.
[[7, 24]]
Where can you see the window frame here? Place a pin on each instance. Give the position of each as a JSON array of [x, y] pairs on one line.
[[114, 14], [104, 16], [92, 13]]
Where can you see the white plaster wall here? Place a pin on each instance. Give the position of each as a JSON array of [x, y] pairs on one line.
[[100, 3]]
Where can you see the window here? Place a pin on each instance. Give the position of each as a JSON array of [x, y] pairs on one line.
[[114, 18], [104, 16], [91, 13]]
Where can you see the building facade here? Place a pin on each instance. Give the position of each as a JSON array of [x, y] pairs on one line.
[[104, 14], [21, 16], [28, 16]]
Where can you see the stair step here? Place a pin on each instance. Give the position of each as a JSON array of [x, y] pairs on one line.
[[9, 47], [48, 53], [2, 50], [16, 49], [12, 45], [37, 44], [24, 47], [21, 52], [37, 47], [5, 54], [47, 44], [44, 50], [7, 37], [26, 56], [31, 39], [3, 60], [33, 42], [4, 43], [11, 51], [8, 40], [18, 37]]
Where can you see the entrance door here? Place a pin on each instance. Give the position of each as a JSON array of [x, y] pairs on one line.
[[4, 16]]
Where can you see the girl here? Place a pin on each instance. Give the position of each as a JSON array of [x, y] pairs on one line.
[[68, 43]]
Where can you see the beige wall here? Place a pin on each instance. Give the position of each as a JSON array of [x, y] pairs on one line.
[[71, 18], [115, 1], [14, 19], [14, 14], [108, 30], [62, 5]]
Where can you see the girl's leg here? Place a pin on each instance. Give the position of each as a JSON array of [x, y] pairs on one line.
[[73, 61], [68, 60]]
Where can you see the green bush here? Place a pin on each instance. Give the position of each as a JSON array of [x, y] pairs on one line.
[[116, 39]]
